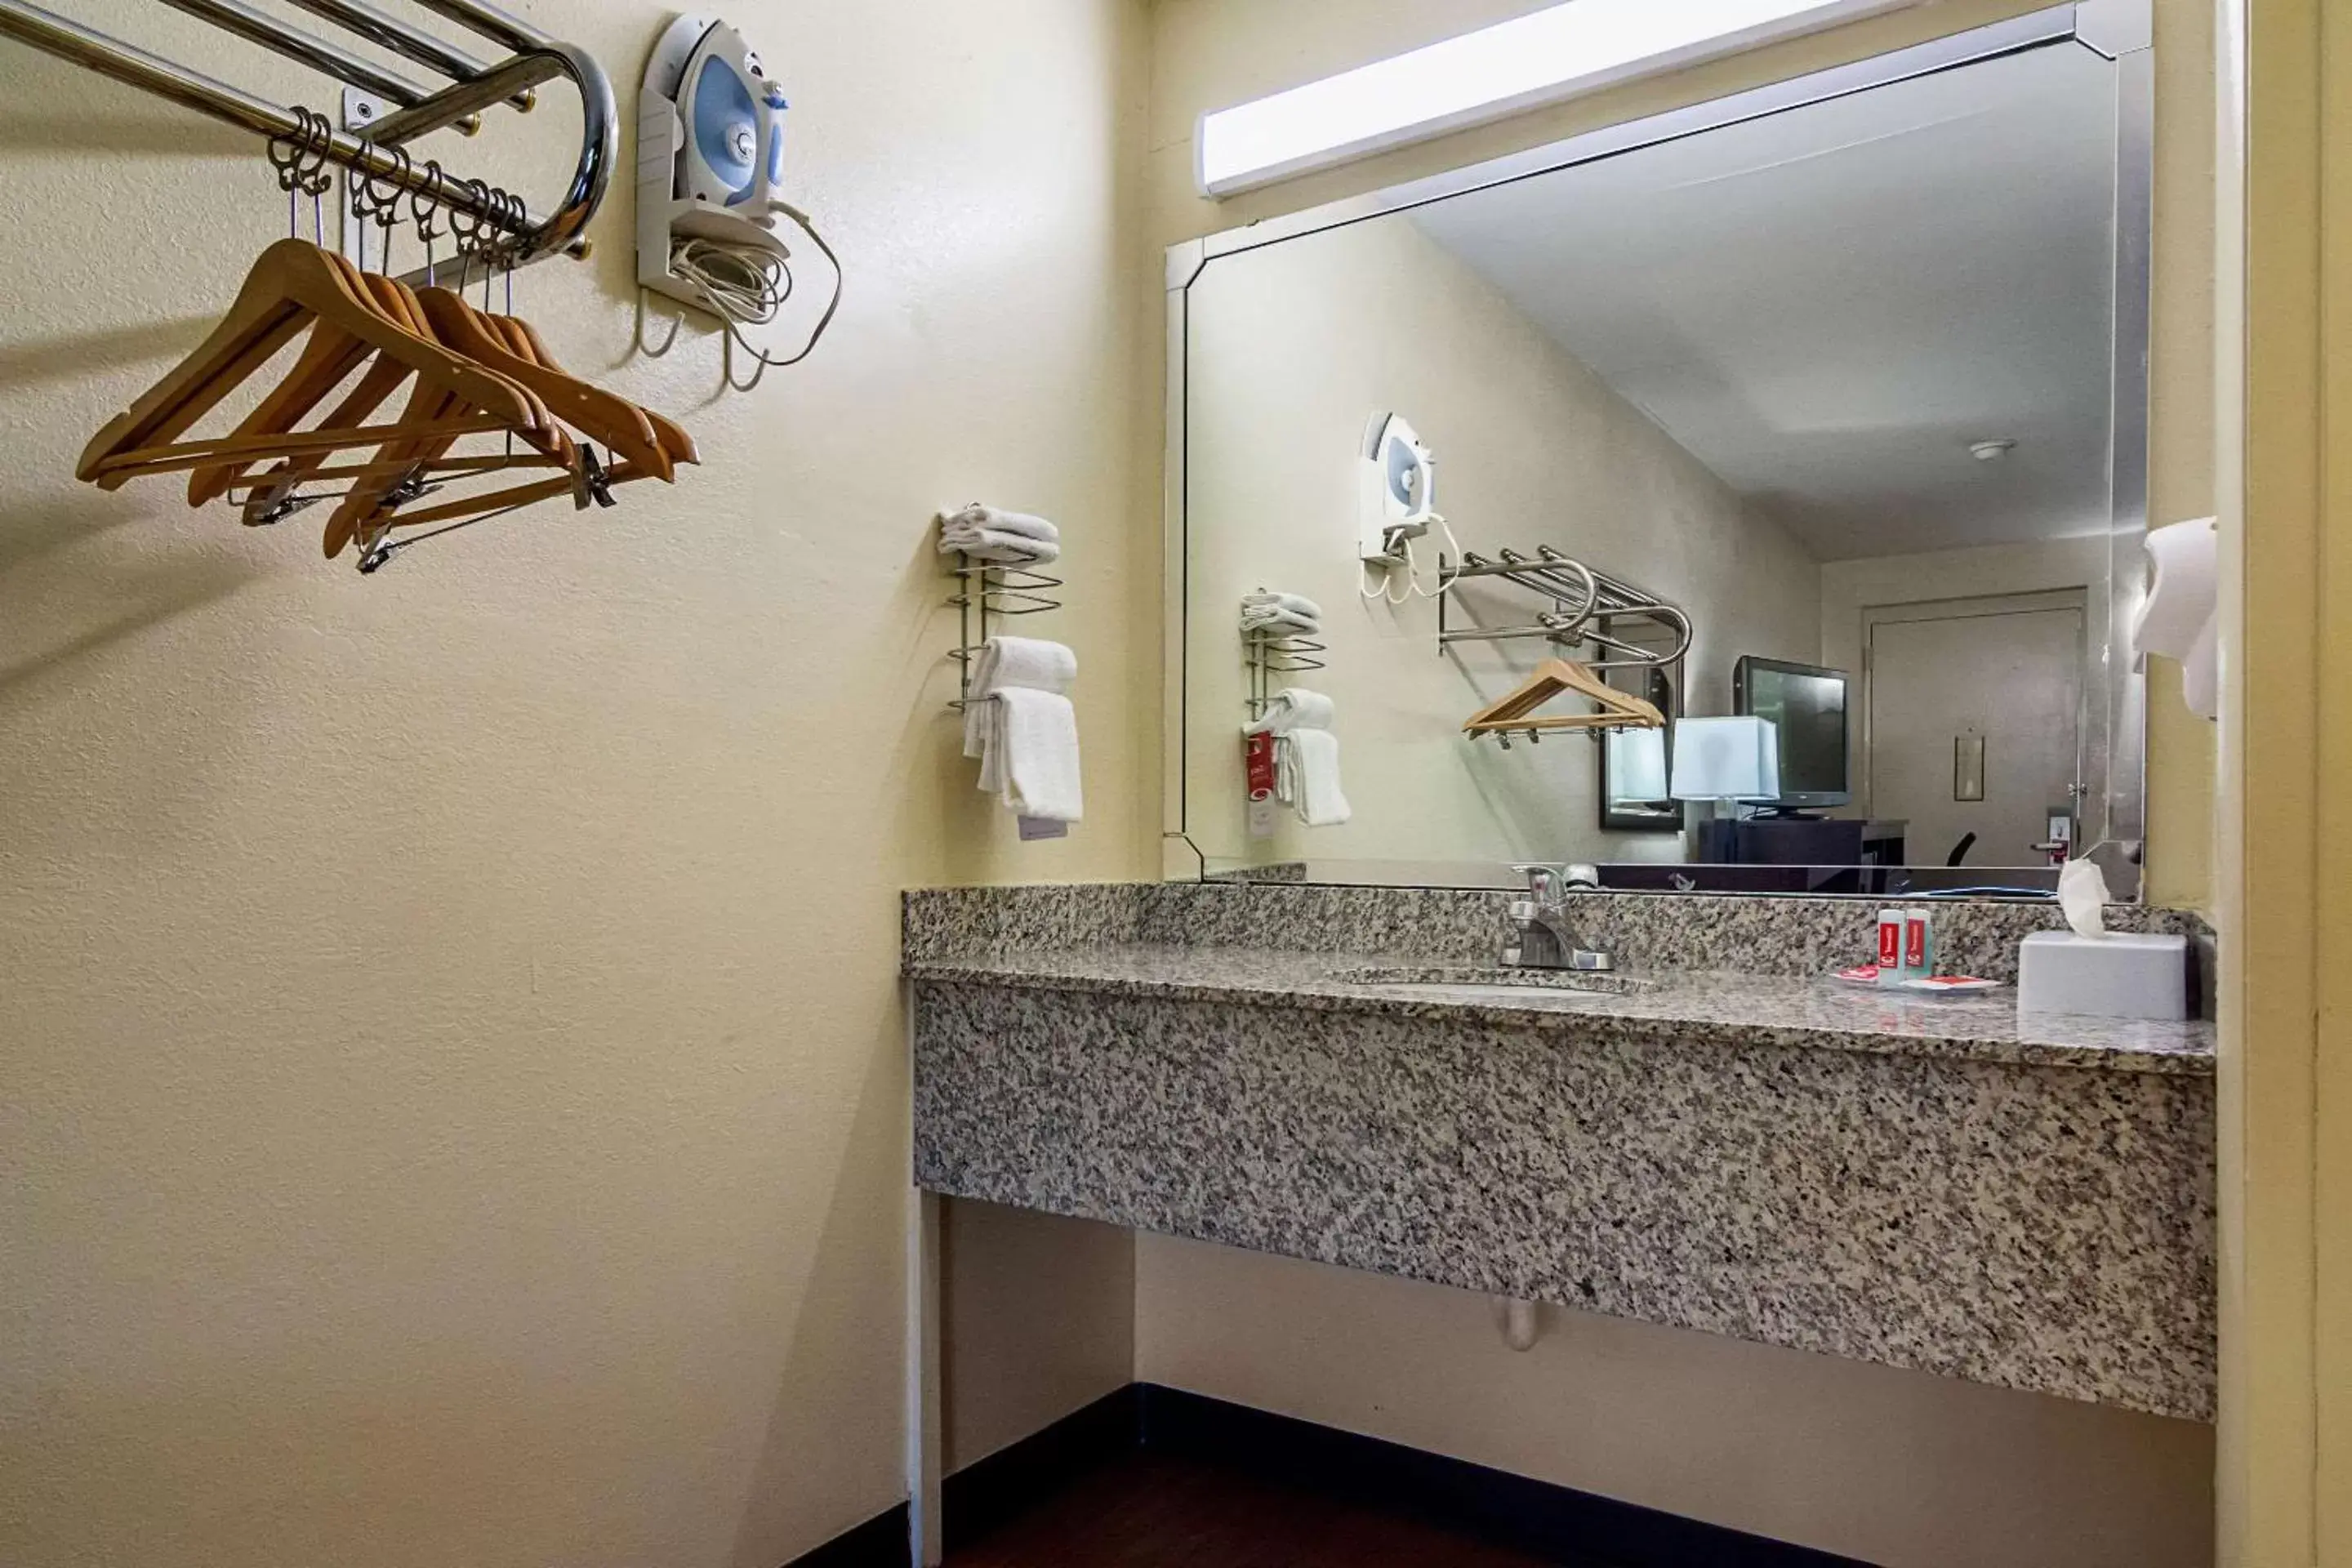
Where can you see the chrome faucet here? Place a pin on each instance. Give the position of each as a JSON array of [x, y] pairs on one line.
[[1540, 937]]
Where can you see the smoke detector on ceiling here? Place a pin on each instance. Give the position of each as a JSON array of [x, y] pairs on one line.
[[1992, 451]]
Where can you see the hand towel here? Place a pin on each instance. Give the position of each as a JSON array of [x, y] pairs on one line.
[[1307, 777], [1023, 729], [1008, 538], [1038, 745]]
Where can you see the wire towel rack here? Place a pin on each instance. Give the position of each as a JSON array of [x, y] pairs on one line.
[[1578, 594], [1270, 652], [985, 588], [534, 57]]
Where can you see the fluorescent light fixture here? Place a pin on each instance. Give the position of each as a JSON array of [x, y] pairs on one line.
[[1543, 58]]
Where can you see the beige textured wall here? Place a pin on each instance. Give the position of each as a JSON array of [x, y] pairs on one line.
[[1289, 350], [454, 1093], [1424, 1366], [1037, 1317], [1895, 1467]]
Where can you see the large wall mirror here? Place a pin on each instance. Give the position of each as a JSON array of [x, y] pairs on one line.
[[1812, 420]]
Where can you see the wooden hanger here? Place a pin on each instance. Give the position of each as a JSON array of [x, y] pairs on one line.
[[621, 425], [525, 339], [327, 359], [293, 284], [271, 496], [635, 457], [424, 437], [1619, 709]]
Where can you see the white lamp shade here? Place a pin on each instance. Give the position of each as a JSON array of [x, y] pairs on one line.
[[1637, 764], [1727, 759]]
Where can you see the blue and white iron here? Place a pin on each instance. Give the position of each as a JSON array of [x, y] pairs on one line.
[[1397, 489], [710, 150]]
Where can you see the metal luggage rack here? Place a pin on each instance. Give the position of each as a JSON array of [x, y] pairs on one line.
[[377, 155], [1578, 594]]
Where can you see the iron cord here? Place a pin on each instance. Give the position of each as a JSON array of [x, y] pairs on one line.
[[745, 286]]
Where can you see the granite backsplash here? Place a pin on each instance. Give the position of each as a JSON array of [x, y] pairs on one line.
[[1758, 934]]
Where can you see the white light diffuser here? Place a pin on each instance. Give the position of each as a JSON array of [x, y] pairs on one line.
[[1542, 58]]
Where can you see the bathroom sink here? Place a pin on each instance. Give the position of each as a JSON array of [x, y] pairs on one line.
[[1495, 981]]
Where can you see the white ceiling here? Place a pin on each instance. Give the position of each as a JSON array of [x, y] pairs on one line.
[[1828, 306]]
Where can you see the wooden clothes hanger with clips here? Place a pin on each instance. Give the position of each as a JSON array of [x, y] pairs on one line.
[[271, 497], [294, 284], [467, 373], [1551, 678]]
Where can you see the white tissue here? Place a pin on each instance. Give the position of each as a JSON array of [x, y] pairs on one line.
[[2083, 896]]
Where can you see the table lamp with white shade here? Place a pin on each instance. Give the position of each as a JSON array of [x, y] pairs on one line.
[[1719, 763]]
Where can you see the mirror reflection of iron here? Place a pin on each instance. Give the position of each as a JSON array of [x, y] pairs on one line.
[[1400, 488]]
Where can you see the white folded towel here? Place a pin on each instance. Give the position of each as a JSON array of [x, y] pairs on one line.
[[1292, 708], [1280, 615], [1307, 777], [1009, 538], [1023, 729]]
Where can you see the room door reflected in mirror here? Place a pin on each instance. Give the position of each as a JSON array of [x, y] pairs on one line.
[[1975, 724], [1798, 414]]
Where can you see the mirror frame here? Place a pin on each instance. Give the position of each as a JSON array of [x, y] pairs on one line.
[[2115, 30]]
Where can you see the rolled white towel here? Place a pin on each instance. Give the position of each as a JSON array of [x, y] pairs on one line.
[[1008, 538], [1002, 522], [1280, 615], [1033, 662], [1294, 707]]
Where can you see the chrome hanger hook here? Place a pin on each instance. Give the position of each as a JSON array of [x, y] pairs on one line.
[[284, 151], [423, 209], [380, 204], [319, 141], [466, 227]]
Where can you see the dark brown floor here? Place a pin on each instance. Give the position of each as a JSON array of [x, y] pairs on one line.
[[1147, 1510]]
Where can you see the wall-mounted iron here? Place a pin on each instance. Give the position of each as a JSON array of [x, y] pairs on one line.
[[711, 184], [1398, 490], [710, 151]]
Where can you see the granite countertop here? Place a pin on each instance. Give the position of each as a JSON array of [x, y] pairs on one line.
[[1692, 1008]]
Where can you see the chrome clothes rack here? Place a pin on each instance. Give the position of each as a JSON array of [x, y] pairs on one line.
[[1578, 594], [535, 58]]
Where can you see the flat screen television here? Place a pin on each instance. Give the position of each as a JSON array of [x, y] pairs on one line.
[[1807, 704]]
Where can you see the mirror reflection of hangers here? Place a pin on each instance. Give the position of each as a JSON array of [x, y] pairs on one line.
[[1510, 714]]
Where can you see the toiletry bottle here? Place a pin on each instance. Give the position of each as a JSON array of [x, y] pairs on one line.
[[1918, 944], [1890, 947]]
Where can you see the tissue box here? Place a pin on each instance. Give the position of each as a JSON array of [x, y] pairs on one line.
[[2119, 974]]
